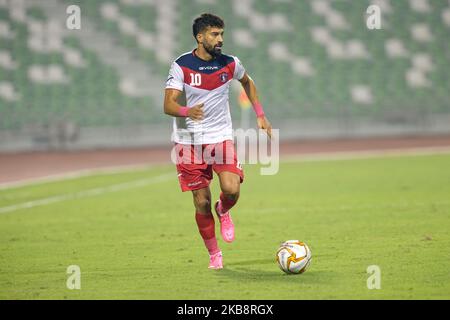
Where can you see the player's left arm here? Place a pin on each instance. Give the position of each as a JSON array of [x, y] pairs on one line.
[[250, 89]]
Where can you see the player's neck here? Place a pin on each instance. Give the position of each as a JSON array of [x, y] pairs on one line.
[[201, 53]]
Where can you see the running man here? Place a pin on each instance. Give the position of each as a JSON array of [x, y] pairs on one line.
[[204, 127]]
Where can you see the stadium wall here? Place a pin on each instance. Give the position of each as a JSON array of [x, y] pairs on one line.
[[67, 137]]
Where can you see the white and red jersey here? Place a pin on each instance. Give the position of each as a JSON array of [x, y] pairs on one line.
[[205, 82]]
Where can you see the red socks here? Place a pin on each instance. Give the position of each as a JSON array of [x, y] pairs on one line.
[[205, 223], [225, 204], [206, 226]]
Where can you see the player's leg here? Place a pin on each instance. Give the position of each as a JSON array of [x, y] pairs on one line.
[[231, 176], [230, 189], [206, 226], [230, 184], [195, 177], [202, 200]]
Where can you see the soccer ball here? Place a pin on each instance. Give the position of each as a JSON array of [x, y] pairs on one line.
[[293, 257]]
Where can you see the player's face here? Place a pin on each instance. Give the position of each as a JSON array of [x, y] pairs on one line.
[[212, 41]]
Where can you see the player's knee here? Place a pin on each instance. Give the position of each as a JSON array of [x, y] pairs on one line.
[[231, 191], [202, 203]]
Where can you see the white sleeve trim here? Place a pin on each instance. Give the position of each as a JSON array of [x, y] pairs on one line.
[[239, 70], [175, 80]]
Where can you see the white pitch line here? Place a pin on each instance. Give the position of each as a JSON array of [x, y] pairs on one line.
[[355, 155], [76, 174], [88, 193], [309, 157]]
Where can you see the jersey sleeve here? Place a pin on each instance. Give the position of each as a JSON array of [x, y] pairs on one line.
[[239, 69], [175, 80]]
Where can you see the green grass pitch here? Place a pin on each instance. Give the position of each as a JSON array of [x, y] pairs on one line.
[[142, 242]]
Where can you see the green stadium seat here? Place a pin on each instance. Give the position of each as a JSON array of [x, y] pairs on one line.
[[380, 61]]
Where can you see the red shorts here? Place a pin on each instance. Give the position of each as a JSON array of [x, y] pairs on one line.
[[195, 163]]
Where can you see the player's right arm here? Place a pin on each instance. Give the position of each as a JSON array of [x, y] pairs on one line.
[[174, 88], [173, 108]]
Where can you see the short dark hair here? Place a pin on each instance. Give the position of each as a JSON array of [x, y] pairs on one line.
[[206, 20]]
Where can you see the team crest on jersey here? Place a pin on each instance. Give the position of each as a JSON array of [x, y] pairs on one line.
[[224, 77]]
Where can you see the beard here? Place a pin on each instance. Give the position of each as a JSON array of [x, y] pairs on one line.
[[214, 51]]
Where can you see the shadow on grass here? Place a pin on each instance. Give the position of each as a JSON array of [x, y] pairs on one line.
[[266, 270]]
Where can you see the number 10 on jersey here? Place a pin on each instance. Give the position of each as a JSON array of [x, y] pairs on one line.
[[196, 79]]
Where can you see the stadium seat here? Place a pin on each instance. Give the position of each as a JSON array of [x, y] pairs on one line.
[[309, 58]]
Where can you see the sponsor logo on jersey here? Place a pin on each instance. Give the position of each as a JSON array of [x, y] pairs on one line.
[[224, 77], [208, 68]]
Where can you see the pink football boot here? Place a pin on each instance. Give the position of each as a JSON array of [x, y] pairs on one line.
[[226, 224], [215, 261]]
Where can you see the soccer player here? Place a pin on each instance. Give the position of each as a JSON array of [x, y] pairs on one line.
[[204, 127]]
